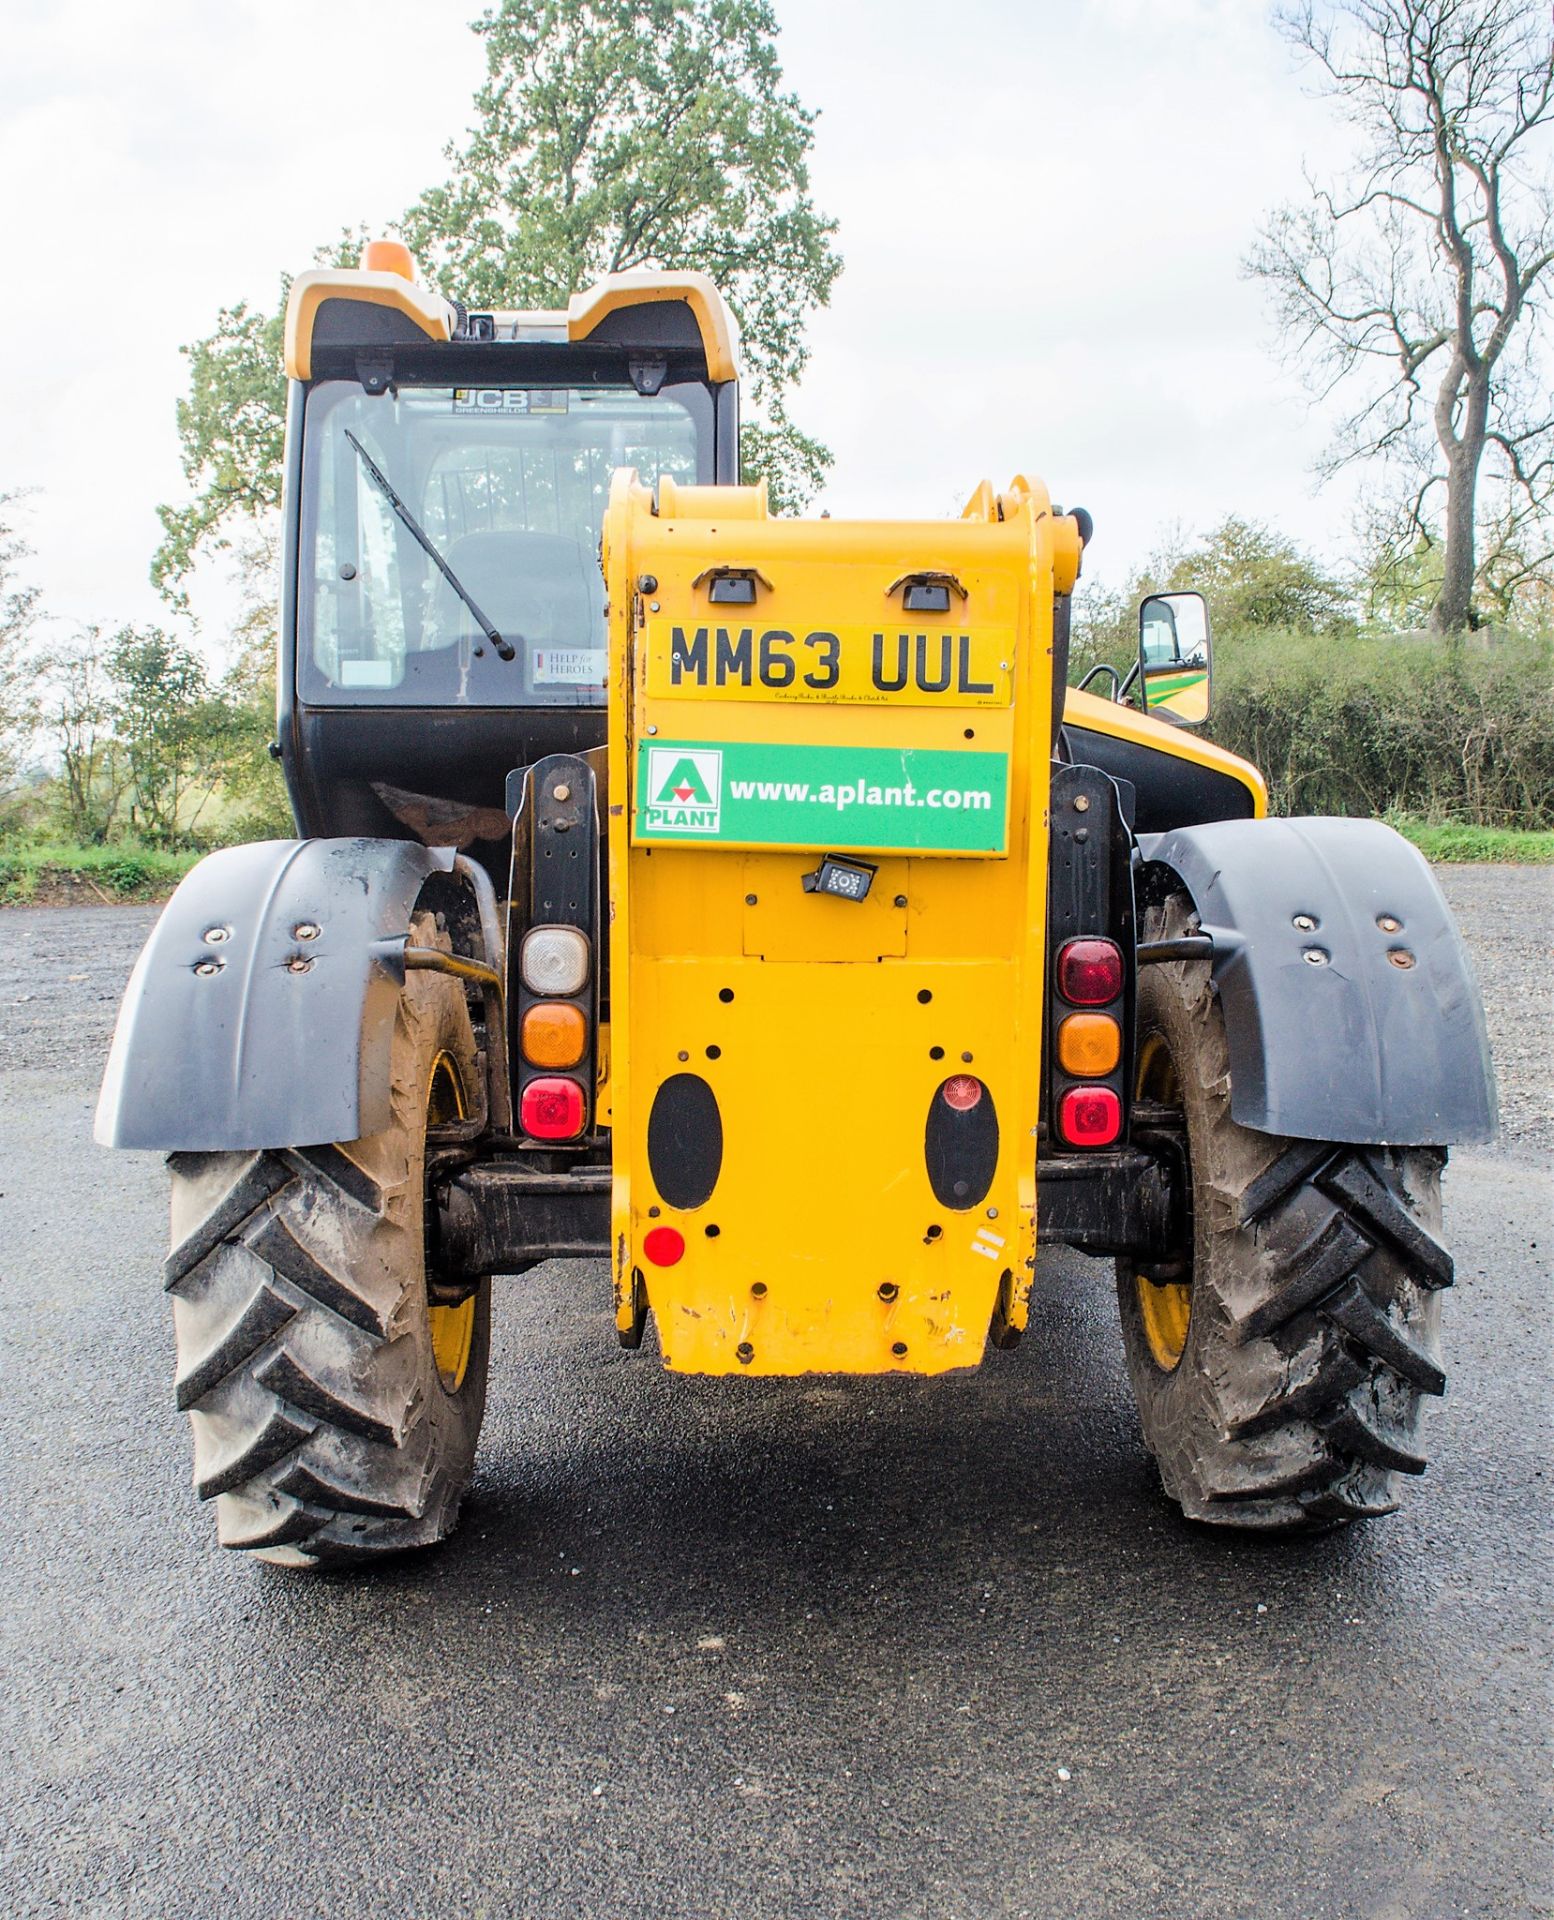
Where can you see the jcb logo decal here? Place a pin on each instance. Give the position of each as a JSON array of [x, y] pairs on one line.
[[684, 789]]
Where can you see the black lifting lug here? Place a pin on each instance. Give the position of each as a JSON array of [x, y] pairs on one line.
[[843, 879]]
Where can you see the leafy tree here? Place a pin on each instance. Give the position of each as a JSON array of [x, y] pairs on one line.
[[1255, 578], [615, 134], [175, 733], [609, 134], [231, 429], [18, 612], [77, 713], [1255, 581], [1420, 280], [251, 780]]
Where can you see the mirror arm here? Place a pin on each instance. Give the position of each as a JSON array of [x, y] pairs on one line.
[[1122, 691]]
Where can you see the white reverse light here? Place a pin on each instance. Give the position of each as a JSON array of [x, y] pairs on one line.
[[554, 960]]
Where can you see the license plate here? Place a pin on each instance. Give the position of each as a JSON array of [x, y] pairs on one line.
[[848, 665]]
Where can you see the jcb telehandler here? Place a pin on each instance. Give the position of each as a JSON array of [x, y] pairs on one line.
[[760, 912]]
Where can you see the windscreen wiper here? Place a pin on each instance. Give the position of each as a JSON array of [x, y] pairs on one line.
[[381, 482]]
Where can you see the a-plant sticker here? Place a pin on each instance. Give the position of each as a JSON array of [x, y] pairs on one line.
[[683, 790], [762, 794]]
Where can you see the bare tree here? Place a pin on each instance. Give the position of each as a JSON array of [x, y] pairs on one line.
[[1421, 278]]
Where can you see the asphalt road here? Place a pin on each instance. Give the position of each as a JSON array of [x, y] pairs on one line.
[[879, 1648]]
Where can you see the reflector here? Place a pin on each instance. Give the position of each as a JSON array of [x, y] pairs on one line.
[[962, 1092], [663, 1245]]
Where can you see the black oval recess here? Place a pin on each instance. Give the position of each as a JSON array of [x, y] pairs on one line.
[[685, 1140], [961, 1148]]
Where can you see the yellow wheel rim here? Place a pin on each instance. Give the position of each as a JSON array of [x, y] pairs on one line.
[[452, 1328], [1165, 1307]]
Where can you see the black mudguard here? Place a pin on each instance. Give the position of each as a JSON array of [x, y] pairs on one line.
[[237, 1033], [1347, 1031]]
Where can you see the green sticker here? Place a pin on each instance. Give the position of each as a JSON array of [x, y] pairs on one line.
[[752, 794]]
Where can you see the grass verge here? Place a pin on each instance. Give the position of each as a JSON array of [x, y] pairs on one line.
[[1454, 844], [63, 875]]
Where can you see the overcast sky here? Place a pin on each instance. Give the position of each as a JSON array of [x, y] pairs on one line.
[[1043, 209]]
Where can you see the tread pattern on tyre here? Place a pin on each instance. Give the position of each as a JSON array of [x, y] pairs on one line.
[[321, 1428], [1315, 1313]]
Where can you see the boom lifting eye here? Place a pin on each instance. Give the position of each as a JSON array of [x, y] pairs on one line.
[[926, 592], [732, 586]]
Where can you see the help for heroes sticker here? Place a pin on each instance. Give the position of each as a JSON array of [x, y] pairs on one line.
[[568, 666]]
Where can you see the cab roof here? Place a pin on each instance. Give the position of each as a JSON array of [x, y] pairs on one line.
[[335, 311]]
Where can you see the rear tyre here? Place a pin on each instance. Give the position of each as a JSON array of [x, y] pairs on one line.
[[335, 1402], [1281, 1368]]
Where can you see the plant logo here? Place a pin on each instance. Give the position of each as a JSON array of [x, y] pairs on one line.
[[684, 789]]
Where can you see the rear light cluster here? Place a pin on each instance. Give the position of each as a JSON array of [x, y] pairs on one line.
[[1089, 974], [553, 1032]]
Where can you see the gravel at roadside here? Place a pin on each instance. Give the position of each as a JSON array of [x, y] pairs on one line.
[[1507, 918]]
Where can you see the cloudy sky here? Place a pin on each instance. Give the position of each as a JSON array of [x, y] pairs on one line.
[[1043, 209]]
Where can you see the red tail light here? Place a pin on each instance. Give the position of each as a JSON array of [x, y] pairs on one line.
[[664, 1245], [552, 1109], [1089, 972], [1090, 1116]]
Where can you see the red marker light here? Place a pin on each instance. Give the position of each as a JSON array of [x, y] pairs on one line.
[[962, 1092], [1090, 1116], [1089, 972], [552, 1109], [663, 1245]]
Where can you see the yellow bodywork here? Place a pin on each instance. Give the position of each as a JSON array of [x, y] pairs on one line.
[[826, 1026], [1123, 722]]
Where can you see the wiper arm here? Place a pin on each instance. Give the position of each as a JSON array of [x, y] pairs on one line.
[[381, 481]]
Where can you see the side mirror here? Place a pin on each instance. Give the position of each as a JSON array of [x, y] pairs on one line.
[[1174, 657]]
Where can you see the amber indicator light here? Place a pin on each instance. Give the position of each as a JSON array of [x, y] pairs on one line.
[[1089, 1044], [553, 1035]]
